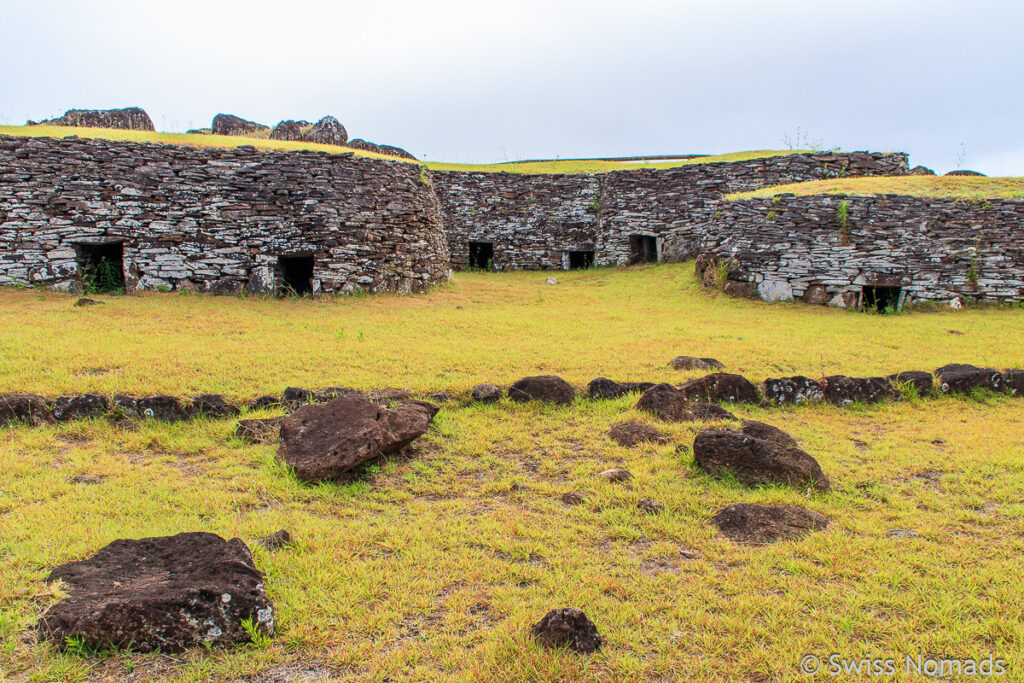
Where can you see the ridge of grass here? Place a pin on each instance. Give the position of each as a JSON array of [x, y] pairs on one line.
[[228, 142], [936, 187]]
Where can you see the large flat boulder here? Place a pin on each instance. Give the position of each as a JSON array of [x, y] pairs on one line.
[[721, 386], [633, 433], [672, 405], [762, 524], [166, 593], [797, 389], [755, 461], [323, 442], [959, 378], [548, 388], [129, 118], [841, 390]]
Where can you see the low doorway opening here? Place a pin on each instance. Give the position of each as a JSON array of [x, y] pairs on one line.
[[102, 267], [643, 249], [481, 255], [296, 275], [880, 299], [580, 259]]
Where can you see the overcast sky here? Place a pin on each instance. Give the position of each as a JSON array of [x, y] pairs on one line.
[[479, 81]]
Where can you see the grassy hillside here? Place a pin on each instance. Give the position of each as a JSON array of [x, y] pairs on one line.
[[227, 142], [959, 187], [432, 565]]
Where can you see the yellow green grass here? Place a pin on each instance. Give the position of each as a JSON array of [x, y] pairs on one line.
[[228, 142], [432, 565], [957, 187]]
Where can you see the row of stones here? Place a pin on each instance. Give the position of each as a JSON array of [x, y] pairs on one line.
[[215, 220], [825, 248], [534, 220], [664, 400]]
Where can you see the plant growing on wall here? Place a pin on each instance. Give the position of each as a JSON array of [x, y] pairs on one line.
[[103, 278], [843, 220], [974, 261]]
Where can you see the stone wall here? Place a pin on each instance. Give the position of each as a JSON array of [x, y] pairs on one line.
[[534, 221], [215, 220], [932, 249]]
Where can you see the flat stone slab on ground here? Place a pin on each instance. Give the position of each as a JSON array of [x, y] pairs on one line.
[[762, 524]]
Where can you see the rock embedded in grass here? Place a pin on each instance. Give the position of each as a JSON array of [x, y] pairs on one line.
[[695, 363], [210, 405], [574, 498], [901, 534], [161, 407], [763, 524], [80, 406], [767, 432], [1014, 381], [321, 443], [756, 462], [164, 594], [259, 430], [603, 387], [548, 388], [921, 381], [275, 541], [567, 627], [265, 401], [650, 506], [486, 393], [227, 124], [721, 386], [616, 474], [796, 389], [86, 301], [632, 433], [27, 408], [672, 405], [841, 390], [959, 378]]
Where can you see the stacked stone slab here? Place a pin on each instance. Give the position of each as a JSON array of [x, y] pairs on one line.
[[534, 221], [215, 220]]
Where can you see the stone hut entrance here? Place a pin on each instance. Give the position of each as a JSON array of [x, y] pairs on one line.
[[295, 275], [481, 255], [101, 267], [643, 249], [881, 299], [580, 259]]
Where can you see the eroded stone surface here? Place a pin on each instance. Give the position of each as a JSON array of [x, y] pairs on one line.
[[721, 386], [755, 462], [841, 390], [549, 388], [960, 378], [486, 393], [695, 363], [672, 405], [602, 387], [569, 628], [798, 389], [762, 524], [27, 408]]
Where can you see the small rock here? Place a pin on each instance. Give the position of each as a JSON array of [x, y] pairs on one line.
[[754, 461], [86, 301], [900, 534], [616, 474], [795, 390], [650, 506], [548, 388], [958, 378], [265, 402], [552, 281], [573, 498], [88, 479], [632, 433], [275, 541], [694, 363], [486, 393], [567, 627], [762, 524]]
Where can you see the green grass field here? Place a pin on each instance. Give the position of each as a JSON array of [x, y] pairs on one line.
[[433, 564], [957, 187]]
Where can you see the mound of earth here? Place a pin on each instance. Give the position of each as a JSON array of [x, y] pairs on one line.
[[166, 593], [673, 405], [633, 433], [762, 524], [550, 388], [569, 628]]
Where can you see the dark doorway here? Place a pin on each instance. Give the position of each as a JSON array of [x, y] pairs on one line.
[[481, 255], [102, 267], [643, 249], [880, 299], [296, 275], [580, 259]]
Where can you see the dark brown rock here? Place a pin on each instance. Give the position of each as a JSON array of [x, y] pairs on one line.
[[767, 432], [694, 363], [921, 381], [650, 506], [129, 118], [86, 301], [816, 295], [754, 461], [569, 628], [290, 130], [161, 407], [763, 524], [321, 443], [616, 474], [387, 395], [632, 433], [958, 378], [259, 431], [672, 405], [721, 386], [841, 390], [742, 290], [602, 387], [486, 393], [921, 170], [327, 131], [27, 408], [379, 149], [797, 389], [574, 498], [965, 172], [542, 388], [331, 393], [210, 405], [125, 405], [296, 396], [275, 541], [166, 593], [265, 402], [80, 406], [1013, 381], [226, 124]]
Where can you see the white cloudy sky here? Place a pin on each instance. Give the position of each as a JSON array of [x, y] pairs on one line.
[[470, 80]]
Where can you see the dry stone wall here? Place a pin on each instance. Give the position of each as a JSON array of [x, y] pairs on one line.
[[215, 220], [536, 221], [930, 249]]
